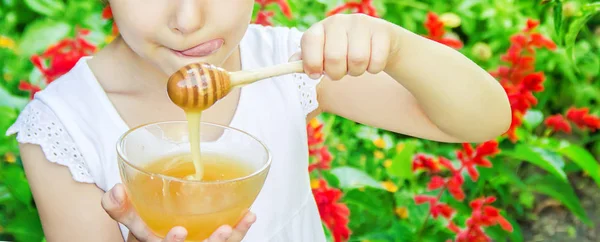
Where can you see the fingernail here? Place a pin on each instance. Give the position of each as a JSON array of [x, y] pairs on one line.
[[179, 238], [251, 218], [225, 235], [295, 57], [116, 197], [314, 76]]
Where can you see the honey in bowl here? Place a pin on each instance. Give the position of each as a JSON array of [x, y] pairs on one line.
[[155, 161], [201, 209]]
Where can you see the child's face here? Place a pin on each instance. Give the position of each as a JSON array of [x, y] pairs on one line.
[[160, 30]]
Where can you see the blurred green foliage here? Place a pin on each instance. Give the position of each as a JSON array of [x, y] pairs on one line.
[[537, 164]]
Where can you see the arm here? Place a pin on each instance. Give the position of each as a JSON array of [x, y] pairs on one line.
[[69, 210], [402, 82]]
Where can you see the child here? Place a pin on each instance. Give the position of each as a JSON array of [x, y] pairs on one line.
[[375, 73]]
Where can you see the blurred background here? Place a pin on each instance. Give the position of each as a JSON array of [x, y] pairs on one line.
[[538, 182]]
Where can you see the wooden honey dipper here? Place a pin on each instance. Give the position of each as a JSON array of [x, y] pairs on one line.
[[197, 86]]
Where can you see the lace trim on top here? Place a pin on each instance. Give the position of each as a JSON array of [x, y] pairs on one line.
[[306, 87], [37, 124], [307, 92]]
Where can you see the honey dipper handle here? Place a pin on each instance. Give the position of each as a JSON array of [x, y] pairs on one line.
[[239, 78]]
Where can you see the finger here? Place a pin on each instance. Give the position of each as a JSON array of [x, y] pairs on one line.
[[380, 49], [295, 57], [222, 234], [359, 50], [177, 234], [312, 50], [336, 50], [242, 227], [116, 203]]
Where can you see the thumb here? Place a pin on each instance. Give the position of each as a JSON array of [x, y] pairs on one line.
[[117, 205], [295, 57]]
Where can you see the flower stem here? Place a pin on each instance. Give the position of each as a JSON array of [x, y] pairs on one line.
[[439, 195]]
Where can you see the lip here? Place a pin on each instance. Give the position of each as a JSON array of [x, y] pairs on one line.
[[203, 49]]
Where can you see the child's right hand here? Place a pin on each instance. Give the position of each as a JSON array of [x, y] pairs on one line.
[[116, 204]]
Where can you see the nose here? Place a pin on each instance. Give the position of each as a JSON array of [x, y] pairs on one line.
[[188, 16]]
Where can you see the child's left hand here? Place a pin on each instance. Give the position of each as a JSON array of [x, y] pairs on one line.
[[348, 45]]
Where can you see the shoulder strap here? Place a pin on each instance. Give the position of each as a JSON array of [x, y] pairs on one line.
[[273, 45]]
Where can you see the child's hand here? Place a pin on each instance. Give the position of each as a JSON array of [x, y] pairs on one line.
[[347, 44], [119, 208]]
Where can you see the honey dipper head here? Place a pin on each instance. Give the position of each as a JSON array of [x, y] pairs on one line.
[[197, 86]]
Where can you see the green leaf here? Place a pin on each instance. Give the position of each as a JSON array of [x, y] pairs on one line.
[[500, 175], [11, 101], [350, 178], [543, 158], [583, 159], [527, 199], [331, 179], [8, 114], [402, 162], [14, 178], [42, 33], [533, 118], [372, 210], [26, 226], [4, 194], [50, 8], [399, 231], [588, 10], [560, 191], [558, 13]]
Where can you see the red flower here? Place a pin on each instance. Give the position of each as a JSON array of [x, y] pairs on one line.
[[26, 86], [592, 122], [472, 234], [63, 56], [421, 199], [436, 182], [436, 32], [540, 41], [421, 161], [483, 215], [364, 6], [107, 14], [583, 119], [558, 123], [333, 214], [533, 82], [454, 186], [447, 164], [263, 17], [531, 24], [315, 137], [576, 115], [470, 158], [487, 215], [435, 207], [324, 159], [518, 78], [453, 227]]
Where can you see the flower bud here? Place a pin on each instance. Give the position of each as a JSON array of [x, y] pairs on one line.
[[570, 9], [450, 20], [481, 51]]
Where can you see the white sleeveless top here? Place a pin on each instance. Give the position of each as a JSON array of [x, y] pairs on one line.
[[76, 125]]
